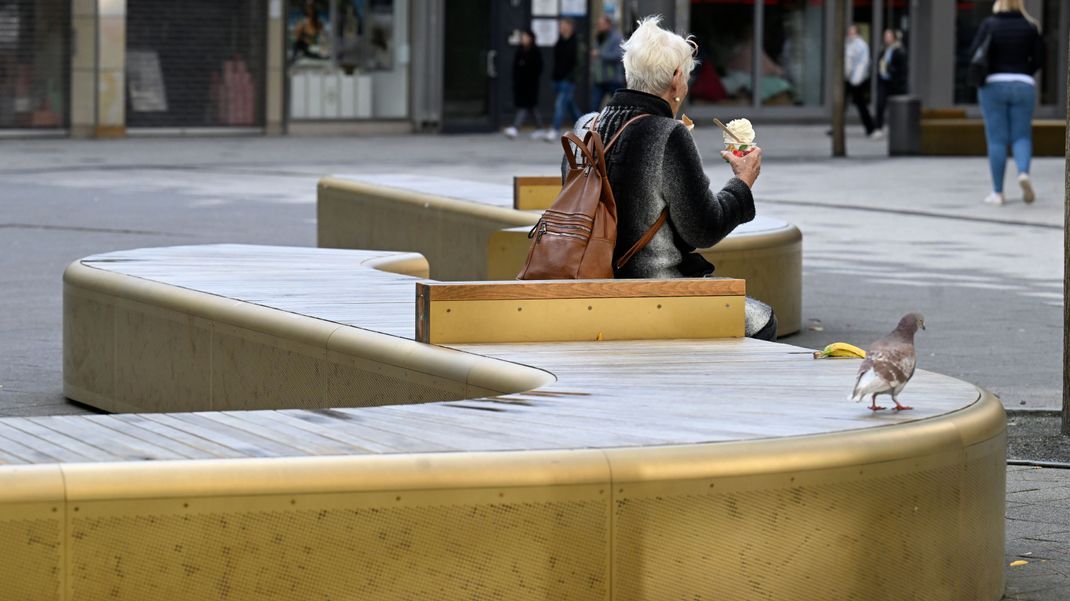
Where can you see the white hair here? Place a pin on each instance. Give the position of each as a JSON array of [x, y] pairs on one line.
[[652, 56]]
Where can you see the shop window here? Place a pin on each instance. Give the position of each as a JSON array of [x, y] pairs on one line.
[[345, 59], [34, 63], [793, 59], [724, 31]]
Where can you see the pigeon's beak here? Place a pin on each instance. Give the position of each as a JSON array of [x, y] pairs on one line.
[[922, 324]]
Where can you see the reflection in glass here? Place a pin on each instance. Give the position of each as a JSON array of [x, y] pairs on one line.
[[968, 18], [1053, 45], [34, 63], [792, 64], [725, 37]]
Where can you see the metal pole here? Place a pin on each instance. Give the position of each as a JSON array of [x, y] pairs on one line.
[[839, 114], [1066, 277]]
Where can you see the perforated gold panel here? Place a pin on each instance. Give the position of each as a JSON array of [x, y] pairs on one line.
[[30, 559], [885, 538], [88, 346], [496, 551], [351, 386], [271, 373], [162, 359]]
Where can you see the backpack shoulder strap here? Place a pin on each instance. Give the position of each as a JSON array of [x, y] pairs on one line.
[[616, 136], [644, 239]]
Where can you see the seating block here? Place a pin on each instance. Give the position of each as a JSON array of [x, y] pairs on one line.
[[571, 310], [535, 193]]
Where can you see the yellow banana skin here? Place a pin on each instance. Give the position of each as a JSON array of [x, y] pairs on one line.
[[840, 349]]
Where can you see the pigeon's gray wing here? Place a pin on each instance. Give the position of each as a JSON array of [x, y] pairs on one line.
[[894, 364]]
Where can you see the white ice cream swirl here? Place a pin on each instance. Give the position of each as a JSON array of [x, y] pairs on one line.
[[742, 130]]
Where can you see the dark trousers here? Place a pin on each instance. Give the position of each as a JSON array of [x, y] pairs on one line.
[[600, 90], [858, 96], [885, 90]]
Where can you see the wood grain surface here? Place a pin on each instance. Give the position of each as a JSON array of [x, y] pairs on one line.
[[607, 394]]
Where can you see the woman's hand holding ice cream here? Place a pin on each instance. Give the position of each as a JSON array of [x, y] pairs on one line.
[[746, 167]]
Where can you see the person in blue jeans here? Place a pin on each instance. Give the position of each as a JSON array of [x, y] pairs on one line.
[[566, 66], [1009, 93]]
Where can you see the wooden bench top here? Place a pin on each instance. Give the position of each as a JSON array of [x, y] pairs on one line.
[[606, 394], [501, 195]]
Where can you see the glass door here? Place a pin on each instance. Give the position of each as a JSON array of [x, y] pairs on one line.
[[471, 63]]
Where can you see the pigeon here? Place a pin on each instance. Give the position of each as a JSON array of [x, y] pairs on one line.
[[889, 364]]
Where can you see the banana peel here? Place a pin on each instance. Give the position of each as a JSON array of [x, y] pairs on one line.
[[840, 349]]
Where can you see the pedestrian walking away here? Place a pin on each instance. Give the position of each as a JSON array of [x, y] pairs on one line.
[[892, 74], [608, 72], [1009, 91], [527, 72], [566, 66], [856, 73]]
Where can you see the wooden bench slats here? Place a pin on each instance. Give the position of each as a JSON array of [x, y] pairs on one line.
[[262, 422], [51, 445], [356, 424], [558, 289], [20, 449], [318, 422], [33, 447], [61, 433], [218, 425], [118, 444], [240, 446], [148, 436], [206, 448]]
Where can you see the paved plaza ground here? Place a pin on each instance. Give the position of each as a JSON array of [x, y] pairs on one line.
[[882, 237]]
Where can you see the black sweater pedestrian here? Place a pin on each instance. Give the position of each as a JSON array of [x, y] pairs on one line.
[[655, 164], [566, 58], [1016, 45], [527, 69]]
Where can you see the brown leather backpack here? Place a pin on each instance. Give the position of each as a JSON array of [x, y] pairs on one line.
[[576, 236]]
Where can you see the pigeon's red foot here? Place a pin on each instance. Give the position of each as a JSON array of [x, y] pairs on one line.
[[876, 407], [899, 407]]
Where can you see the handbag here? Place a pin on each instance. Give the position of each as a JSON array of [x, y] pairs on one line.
[[979, 63]]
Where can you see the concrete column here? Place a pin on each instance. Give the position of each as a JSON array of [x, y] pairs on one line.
[[275, 85], [111, 69], [83, 68], [98, 69], [1066, 279]]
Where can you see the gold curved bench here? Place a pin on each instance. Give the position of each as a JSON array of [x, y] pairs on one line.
[[728, 469], [470, 231]]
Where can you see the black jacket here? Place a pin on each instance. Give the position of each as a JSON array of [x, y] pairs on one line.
[[654, 165], [566, 57], [527, 69], [897, 69], [1016, 45]]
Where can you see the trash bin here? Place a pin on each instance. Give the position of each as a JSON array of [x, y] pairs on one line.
[[904, 125]]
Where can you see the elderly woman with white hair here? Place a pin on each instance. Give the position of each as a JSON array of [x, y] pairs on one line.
[[655, 168]]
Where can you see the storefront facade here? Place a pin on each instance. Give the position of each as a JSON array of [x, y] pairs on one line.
[[102, 68], [35, 41]]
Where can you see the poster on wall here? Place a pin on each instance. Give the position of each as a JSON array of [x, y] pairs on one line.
[[544, 8], [144, 81], [545, 31], [574, 8]]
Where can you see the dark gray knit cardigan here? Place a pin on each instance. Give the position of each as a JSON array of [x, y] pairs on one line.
[[655, 164]]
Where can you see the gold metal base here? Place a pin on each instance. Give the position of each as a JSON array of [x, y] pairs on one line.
[[908, 511]]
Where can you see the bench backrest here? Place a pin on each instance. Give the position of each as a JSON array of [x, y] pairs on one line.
[[574, 310], [535, 193]]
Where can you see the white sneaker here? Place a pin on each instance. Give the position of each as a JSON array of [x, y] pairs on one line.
[[1028, 195], [876, 134], [510, 132], [537, 134], [995, 198], [552, 135]]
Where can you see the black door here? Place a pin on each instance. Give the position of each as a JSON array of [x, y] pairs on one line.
[[472, 60]]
